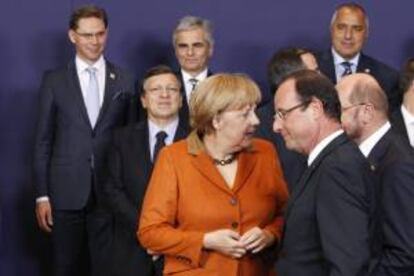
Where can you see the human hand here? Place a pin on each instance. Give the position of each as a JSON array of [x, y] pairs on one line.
[[224, 241], [256, 239], [44, 216]]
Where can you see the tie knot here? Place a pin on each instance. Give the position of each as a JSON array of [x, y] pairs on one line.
[[91, 70], [346, 64], [161, 135], [193, 82], [347, 68]]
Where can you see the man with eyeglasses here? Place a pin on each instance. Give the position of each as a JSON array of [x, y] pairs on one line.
[[328, 218], [365, 121], [80, 104], [133, 153]]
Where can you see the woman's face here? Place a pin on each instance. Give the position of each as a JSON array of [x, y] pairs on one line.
[[236, 127]]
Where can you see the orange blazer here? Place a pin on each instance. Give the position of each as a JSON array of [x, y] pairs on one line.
[[187, 197]]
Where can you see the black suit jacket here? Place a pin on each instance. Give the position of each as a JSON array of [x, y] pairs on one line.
[[68, 152], [386, 76], [130, 168], [398, 124], [328, 219], [184, 111], [393, 158], [293, 163]]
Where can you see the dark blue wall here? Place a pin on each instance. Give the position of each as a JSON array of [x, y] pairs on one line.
[[33, 39]]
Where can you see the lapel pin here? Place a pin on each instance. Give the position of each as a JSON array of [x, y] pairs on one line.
[[367, 70], [112, 76], [372, 167]]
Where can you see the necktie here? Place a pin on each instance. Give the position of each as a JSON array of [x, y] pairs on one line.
[[159, 144], [193, 82], [92, 96], [347, 68]]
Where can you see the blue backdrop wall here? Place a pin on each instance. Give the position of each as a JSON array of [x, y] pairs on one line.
[[33, 38]]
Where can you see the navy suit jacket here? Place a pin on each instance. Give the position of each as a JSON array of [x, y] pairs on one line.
[[393, 158], [329, 216], [386, 76], [130, 168], [293, 163], [68, 152], [398, 124]]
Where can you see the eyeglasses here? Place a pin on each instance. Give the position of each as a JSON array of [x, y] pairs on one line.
[[345, 108], [157, 91], [91, 36], [281, 114]]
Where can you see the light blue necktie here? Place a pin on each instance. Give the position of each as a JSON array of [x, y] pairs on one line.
[[92, 96]]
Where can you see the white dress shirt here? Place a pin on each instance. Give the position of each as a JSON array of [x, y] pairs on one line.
[[83, 75], [188, 86], [321, 145], [170, 129], [339, 68], [368, 144], [408, 119]]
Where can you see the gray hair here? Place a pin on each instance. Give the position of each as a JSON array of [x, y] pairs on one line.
[[192, 22], [354, 7]]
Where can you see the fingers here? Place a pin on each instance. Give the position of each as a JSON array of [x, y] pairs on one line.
[[44, 216]]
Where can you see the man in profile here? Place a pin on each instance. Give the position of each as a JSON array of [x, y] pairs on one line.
[[365, 121], [193, 44], [282, 63], [328, 218], [349, 32], [132, 156], [80, 105], [402, 119]]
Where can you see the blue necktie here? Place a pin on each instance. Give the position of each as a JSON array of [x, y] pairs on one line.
[[159, 144], [92, 96], [347, 68]]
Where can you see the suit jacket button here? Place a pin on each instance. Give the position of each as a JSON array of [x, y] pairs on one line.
[[233, 201], [234, 225]]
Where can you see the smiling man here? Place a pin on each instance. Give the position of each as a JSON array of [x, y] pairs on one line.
[[79, 106], [349, 32], [193, 44]]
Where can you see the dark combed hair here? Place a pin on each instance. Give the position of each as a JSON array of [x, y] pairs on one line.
[[407, 75], [155, 71], [284, 62], [87, 11], [312, 85]]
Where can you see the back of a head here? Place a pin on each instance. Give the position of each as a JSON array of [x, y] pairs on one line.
[[282, 63], [312, 85]]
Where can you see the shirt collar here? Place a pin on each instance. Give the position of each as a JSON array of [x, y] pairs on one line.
[[322, 144], [408, 117], [201, 76], [368, 144], [170, 129], [81, 65], [338, 59]]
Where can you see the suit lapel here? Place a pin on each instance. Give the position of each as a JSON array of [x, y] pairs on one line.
[[140, 148], [111, 77], [379, 150], [75, 89], [246, 162], [304, 180], [363, 65], [329, 66]]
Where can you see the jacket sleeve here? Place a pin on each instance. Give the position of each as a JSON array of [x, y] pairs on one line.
[[44, 137], [158, 229]]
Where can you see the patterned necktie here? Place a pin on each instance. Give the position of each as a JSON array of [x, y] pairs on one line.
[[193, 82], [347, 68], [159, 144], [92, 96]]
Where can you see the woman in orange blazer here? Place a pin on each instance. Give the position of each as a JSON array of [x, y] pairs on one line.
[[214, 202]]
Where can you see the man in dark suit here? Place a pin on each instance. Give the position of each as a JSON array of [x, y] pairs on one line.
[[193, 44], [131, 160], [349, 31], [80, 105], [282, 63], [402, 119], [328, 218], [365, 121]]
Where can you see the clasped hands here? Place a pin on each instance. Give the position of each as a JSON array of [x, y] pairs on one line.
[[233, 244]]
